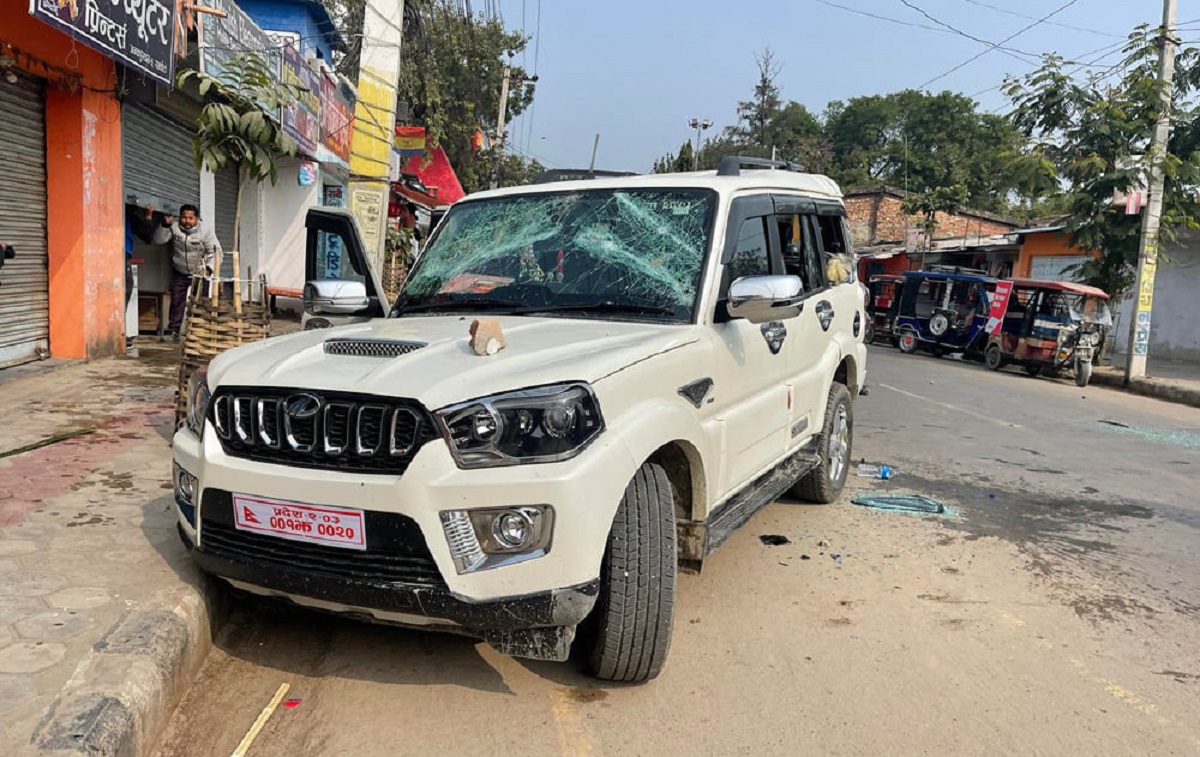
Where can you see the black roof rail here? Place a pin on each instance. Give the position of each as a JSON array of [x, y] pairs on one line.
[[732, 165]]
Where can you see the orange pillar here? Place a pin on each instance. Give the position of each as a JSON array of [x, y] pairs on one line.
[[85, 224]]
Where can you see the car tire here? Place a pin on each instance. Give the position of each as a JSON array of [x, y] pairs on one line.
[[824, 484], [631, 623], [908, 341], [993, 358]]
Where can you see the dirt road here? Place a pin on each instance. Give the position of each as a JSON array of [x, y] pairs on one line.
[[1056, 611]]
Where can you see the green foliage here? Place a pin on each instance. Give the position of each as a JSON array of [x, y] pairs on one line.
[[672, 163], [1089, 141], [908, 139], [238, 125], [947, 200], [451, 77]]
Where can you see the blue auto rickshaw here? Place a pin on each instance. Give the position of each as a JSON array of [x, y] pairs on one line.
[[943, 312]]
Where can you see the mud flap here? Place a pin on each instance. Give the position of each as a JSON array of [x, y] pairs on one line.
[[551, 644]]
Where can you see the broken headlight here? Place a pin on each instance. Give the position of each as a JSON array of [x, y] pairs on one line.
[[542, 425]]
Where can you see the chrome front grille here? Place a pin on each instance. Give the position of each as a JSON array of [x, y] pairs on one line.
[[348, 432], [370, 347]]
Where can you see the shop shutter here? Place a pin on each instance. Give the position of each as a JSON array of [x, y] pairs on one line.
[[226, 211], [157, 156], [24, 283]]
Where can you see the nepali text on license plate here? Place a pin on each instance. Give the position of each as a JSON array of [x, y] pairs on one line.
[[333, 526]]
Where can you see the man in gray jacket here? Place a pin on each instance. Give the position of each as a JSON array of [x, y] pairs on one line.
[[194, 249]]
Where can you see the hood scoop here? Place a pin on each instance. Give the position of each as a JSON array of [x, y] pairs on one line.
[[384, 348]]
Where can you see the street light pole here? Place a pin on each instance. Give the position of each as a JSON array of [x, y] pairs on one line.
[[1139, 324], [699, 125]]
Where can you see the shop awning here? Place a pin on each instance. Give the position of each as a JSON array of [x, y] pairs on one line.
[[438, 176]]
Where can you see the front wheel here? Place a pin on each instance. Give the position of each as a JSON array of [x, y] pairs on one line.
[[835, 443], [993, 358], [1083, 373], [634, 612], [908, 342]]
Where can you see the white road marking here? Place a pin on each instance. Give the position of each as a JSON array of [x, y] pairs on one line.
[[956, 408]]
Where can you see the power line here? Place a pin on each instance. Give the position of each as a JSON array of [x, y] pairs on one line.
[[998, 9], [1106, 51], [1007, 39], [900, 22], [960, 32]]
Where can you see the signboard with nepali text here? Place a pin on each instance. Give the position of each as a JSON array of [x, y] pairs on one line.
[[301, 119], [234, 34], [139, 34], [1000, 299]]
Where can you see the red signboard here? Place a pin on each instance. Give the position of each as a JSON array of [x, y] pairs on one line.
[[337, 119], [999, 306]]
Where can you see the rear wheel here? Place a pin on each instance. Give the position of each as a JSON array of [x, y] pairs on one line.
[[908, 342], [824, 483], [634, 612], [869, 337], [1034, 370], [993, 358]]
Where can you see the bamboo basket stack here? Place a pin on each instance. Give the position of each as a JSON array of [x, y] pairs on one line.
[[221, 313], [394, 273]]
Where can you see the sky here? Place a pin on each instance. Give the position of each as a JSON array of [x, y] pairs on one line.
[[635, 72]]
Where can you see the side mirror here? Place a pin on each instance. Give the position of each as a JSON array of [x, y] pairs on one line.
[[335, 297], [760, 299]]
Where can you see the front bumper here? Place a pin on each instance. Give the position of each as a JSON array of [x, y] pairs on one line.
[[556, 589], [370, 597]]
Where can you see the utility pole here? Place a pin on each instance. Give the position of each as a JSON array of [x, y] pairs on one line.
[[500, 128], [699, 124], [595, 147], [1139, 324]]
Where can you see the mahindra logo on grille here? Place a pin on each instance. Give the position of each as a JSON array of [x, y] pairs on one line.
[[302, 406]]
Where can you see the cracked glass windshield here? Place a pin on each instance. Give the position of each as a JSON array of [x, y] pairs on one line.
[[593, 253]]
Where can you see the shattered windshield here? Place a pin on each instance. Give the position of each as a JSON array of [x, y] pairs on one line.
[[593, 253]]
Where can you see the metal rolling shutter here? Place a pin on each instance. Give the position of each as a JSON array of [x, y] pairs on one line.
[[226, 213], [24, 283], [157, 157]]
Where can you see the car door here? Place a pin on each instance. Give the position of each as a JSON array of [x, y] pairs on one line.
[[334, 252], [809, 342], [750, 368]]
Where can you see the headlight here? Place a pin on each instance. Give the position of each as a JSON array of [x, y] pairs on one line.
[[198, 397], [541, 425]]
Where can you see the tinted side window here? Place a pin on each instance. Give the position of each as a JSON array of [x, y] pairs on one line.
[[750, 256], [833, 235]]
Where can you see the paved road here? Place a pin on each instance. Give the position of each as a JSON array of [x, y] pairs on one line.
[[1056, 611]]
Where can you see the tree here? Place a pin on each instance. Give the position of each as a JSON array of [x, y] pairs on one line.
[[237, 125], [451, 79], [760, 111], [946, 200], [921, 141], [672, 163], [1090, 138]]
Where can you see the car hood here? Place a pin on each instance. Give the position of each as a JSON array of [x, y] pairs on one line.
[[540, 351]]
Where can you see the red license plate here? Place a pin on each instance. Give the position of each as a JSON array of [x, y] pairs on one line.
[[331, 526]]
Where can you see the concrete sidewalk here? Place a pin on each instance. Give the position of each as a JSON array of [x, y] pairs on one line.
[[1167, 380], [103, 619]]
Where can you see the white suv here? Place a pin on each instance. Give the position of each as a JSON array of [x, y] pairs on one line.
[[675, 357]]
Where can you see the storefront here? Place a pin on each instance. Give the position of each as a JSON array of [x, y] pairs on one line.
[[24, 281]]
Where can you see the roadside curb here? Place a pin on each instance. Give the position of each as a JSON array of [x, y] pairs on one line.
[[126, 688], [1167, 391]]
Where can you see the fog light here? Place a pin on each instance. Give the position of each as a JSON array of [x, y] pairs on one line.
[[511, 529], [186, 487], [491, 537]]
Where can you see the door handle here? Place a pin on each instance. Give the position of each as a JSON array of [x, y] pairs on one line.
[[825, 314]]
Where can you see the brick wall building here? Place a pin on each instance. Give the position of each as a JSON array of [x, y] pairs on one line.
[[876, 217]]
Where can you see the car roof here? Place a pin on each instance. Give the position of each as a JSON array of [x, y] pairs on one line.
[[1062, 286], [950, 276], [814, 185]]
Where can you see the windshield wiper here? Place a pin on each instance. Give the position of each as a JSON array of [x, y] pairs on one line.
[[487, 305], [602, 307]]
